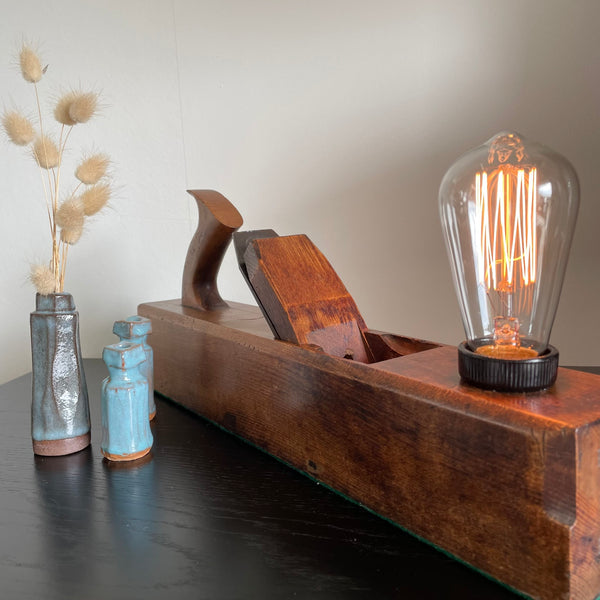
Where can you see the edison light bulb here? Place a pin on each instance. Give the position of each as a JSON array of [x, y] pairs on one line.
[[508, 211]]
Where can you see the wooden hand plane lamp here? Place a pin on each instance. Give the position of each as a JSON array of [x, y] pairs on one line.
[[507, 483]]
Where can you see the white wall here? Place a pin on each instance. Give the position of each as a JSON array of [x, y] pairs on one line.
[[333, 118], [127, 51]]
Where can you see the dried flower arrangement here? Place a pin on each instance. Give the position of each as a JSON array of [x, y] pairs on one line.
[[67, 216]]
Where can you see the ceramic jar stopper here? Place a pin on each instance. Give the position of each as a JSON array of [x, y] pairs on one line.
[[137, 329], [60, 413], [126, 431]]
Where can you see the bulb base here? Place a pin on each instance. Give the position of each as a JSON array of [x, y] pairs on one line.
[[505, 375]]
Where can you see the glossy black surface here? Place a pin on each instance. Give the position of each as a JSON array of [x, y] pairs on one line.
[[206, 516]]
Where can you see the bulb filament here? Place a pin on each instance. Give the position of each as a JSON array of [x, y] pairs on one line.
[[507, 240], [506, 246]]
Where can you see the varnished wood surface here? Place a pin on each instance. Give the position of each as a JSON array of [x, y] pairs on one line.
[[506, 483], [206, 516], [305, 299], [217, 220], [574, 401]]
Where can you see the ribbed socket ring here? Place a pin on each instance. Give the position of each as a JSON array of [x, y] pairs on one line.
[[502, 375]]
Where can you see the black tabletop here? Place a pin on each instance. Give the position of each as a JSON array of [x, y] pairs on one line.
[[204, 516]]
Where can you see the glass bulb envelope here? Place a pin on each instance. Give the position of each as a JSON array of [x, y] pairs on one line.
[[508, 211]]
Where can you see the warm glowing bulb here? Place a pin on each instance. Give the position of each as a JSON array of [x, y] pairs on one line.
[[506, 242], [508, 210]]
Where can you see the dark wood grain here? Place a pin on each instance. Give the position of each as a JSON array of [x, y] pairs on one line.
[[206, 516], [241, 239], [507, 484], [217, 220]]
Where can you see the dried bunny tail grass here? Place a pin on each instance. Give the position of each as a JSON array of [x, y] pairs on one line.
[[61, 110], [43, 279], [83, 106], [95, 198], [18, 128], [46, 152], [93, 169], [76, 107], [70, 214], [31, 67], [71, 235]]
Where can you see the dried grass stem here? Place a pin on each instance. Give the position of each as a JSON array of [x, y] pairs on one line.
[[66, 219]]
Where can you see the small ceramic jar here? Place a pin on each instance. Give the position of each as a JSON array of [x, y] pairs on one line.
[[126, 431], [137, 329]]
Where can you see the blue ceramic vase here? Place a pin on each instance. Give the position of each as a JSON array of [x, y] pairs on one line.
[[137, 329], [126, 431], [60, 413]]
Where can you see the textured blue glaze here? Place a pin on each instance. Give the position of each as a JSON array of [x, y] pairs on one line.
[[125, 423], [137, 329], [60, 406]]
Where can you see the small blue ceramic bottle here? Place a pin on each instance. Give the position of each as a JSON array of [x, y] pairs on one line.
[[126, 431], [137, 329]]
